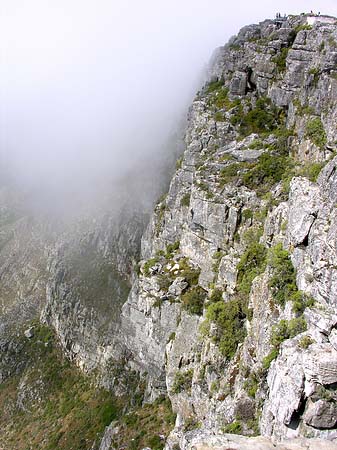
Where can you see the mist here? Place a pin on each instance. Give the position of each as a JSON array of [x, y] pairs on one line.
[[93, 95]]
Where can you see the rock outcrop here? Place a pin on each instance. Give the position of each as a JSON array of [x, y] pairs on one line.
[[233, 312]]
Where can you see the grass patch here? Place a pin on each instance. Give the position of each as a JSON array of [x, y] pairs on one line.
[[191, 274], [271, 167], [213, 86], [145, 427], [66, 411], [311, 170], [148, 264], [233, 428]]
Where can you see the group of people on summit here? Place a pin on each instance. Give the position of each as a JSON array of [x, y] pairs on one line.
[[279, 16]]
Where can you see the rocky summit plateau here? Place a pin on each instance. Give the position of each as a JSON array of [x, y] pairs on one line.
[[211, 321]]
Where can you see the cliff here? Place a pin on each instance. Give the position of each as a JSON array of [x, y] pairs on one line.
[[232, 310]]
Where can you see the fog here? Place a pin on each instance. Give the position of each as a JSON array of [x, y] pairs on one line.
[[92, 93]]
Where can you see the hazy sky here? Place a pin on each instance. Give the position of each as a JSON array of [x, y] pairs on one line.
[[88, 88]]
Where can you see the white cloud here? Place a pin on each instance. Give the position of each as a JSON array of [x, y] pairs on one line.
[[87, 88]]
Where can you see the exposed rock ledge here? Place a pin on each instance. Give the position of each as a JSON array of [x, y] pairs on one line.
[[200, 440]]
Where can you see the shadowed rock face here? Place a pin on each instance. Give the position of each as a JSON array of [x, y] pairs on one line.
[[233, 312]]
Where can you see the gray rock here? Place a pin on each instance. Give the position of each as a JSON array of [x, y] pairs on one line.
[[109, 433], [320, 364], [321, 414], [29, 333], [204, 440], [238, 84], [178, 286]]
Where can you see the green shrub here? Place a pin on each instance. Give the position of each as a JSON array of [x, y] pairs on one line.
[[301, 301], [164, 282], [218, 98], [270, 168], [296, 326], [160, 213], [256, 144], [305, 341], [191, 274], [268, 171], [302, 27], [193, 300], [185, 200], [263, 118], [311, 170], [316, 133], [251, 385], [217, 256], [216, 295], [247, 214], [231, 173], [287, 330], [253, 234], [146, 426], [252, 264], [280, 332], [172, 337], [315, 72], [303, 109], [281, 59], [237, 115], [155, 443], [229, 318], [283, 281], [227, 157], [182, 381]]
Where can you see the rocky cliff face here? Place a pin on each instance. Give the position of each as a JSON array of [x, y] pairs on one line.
[[233, 312], [72, 274]]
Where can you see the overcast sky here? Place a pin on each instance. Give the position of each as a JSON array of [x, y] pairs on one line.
[[87, 88]]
